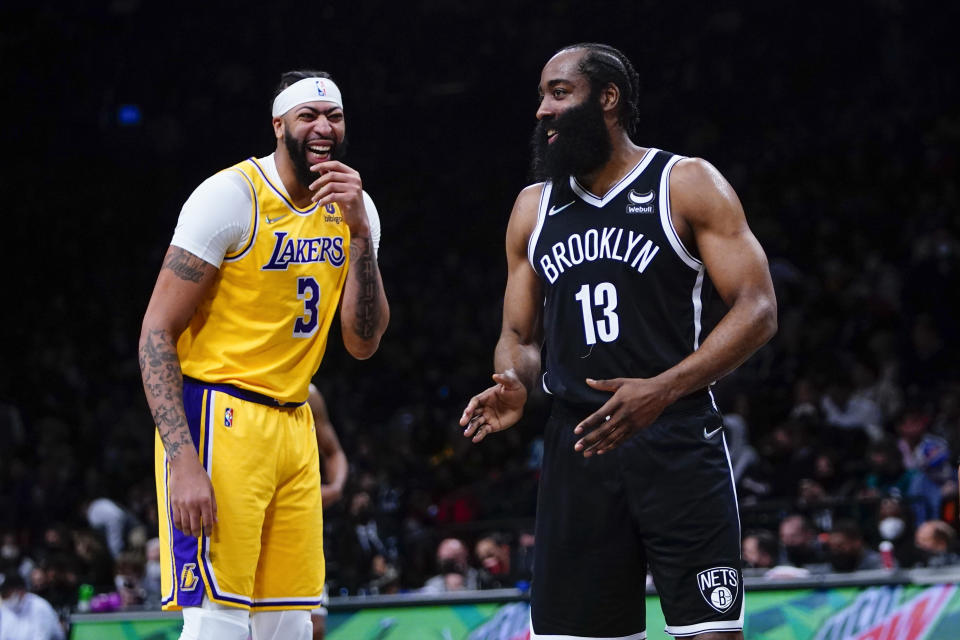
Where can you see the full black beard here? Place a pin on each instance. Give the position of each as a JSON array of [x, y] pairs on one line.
[[298, 155], [582, 145]]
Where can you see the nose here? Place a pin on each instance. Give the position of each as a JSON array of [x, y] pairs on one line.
[[323, 127], [544, 110]]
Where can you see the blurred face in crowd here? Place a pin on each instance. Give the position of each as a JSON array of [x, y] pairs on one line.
[[753, 555], [571, 137], [845, 551], [495, 558]]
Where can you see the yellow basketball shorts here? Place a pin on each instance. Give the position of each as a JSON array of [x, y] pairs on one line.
[[266, 550]]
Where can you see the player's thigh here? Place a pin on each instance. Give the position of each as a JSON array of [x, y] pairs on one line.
[[291, 568], [685, 503], [590, 572]]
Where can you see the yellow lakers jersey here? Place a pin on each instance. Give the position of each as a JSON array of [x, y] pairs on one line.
[[263, 325]]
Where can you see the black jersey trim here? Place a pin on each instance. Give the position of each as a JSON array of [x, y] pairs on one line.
[[541, 216], [632, 175], [666, 219]]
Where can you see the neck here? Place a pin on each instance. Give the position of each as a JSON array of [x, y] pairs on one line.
[[624, 157], [299, 194]]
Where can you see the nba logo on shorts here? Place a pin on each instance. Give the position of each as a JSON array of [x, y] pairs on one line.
[[719, 587], [228, 417]]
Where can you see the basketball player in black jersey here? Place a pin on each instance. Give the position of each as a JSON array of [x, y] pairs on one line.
[[615, 261]]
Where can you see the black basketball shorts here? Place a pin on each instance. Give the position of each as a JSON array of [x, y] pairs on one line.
[[663, 499]]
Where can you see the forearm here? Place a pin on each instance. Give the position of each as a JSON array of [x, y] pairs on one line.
[[163, 386], [744, 329], [523, 358], [334, 476], [364, 311]]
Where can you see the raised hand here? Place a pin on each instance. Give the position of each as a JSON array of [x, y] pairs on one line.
[[341, 184], [497, 408]]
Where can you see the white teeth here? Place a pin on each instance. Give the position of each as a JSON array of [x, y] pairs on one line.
[[319, 150], [551, 132]]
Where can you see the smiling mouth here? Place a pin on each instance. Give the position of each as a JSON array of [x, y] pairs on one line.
[[551, 135], [320, 150]]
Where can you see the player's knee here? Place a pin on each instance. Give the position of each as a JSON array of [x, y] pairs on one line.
[[215, 621], [290, 624]]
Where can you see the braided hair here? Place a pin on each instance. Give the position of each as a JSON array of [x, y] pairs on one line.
[[603, 65]]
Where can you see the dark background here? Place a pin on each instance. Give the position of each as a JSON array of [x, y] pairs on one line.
[[837, 124]]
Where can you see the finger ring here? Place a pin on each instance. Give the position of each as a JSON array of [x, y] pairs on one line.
[[607, 419]]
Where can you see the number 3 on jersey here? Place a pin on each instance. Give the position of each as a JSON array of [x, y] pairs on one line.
[[605, 296], [309, 291]]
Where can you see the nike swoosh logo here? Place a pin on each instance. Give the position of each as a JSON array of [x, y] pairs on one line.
[[272, 220], [710, 434], [640, 198], [555, 209]]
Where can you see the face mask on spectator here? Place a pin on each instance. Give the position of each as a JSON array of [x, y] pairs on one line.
[[891, 528], [800, 554], [844, 562]]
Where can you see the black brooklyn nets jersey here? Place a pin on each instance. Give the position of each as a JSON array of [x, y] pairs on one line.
[[624, 296]]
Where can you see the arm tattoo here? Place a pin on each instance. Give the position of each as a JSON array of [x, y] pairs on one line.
[[163, 384], [184, 264], [368, 311]]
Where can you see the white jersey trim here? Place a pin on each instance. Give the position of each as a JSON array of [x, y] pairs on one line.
[[624, 182], [541, 218], [697, 307], [666, 220], [642, 635]]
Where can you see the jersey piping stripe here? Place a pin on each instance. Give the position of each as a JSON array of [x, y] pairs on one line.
[[279, 192], [541, 217], [719, 625], [632, 175], [255, 213], [174, 580], [697, 307], [666, 220], [207, 440]]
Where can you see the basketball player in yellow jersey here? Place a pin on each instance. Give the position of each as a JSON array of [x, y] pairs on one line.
[[263, 254]]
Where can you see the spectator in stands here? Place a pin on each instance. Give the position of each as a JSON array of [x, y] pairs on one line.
[[923, 451], [844, 409], [798, 542], [894, 524], [106, 516], [359, 541], [936, 543], [888, 477], [760, 550], [828, 481], [496, 567], [25, 615], [846, 549], [453, 570]]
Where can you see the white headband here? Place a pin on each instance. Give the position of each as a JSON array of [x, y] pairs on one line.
[[306, 90]]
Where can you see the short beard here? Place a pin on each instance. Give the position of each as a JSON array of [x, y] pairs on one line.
[[298, 155], [582, 145]]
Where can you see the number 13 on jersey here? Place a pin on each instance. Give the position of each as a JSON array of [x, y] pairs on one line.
[[605, 297]]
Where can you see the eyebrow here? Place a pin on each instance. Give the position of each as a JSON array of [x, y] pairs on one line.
[[332, 108], [552, 83]]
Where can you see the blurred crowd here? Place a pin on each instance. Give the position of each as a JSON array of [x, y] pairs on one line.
[[844, 431]]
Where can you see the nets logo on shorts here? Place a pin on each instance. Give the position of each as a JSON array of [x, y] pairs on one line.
[[719, 587]]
